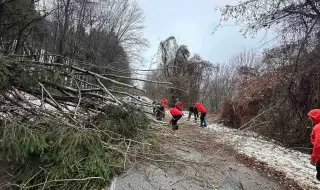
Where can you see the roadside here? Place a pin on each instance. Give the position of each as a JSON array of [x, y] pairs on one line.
[[289, 166]]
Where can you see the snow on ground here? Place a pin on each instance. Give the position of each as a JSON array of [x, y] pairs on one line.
[[294, 164]]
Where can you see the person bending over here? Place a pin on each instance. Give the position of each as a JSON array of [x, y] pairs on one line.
[[176, 115], [203, 112]]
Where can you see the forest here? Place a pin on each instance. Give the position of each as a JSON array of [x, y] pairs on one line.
[[66, 65]]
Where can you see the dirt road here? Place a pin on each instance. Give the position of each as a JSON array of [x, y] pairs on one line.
[[200, 163]]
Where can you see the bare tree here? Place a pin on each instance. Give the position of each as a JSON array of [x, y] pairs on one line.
[[221, 84], [292, 20], [185, 72]]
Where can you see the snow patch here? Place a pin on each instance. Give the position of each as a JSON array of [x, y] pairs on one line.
[[294, 164], [113, 184]]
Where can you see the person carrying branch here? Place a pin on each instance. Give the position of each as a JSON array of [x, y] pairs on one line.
[[314, 116], [176, 115], [203, 112]]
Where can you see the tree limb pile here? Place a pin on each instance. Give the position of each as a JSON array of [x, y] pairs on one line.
[[62, 121], [69, 89]]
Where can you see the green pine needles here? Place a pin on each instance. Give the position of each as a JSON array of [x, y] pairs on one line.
[[46, 154]]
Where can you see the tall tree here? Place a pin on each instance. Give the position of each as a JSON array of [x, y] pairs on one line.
[[184, 72]]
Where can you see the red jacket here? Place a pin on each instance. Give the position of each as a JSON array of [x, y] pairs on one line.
[[201, 108], [175, 111], [315, 135], [164, 102], [179, 105]]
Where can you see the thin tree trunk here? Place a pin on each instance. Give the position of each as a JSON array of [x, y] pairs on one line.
[[65, 29]]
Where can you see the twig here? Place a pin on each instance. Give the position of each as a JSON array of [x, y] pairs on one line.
[[177, 181], [42, 103], [125, 156], [57, 104], [57, 180], [45, 182], [145, 80], [79, 95], [47, 92], [253, 126], [108, 92], [244, 126], [31, 178]]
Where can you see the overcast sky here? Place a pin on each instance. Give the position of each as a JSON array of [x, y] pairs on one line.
[[192, 23]]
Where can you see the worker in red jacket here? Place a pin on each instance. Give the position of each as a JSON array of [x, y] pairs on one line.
[[179, 105], [203, 112], [164, 103], [176, 115], [314, 116]]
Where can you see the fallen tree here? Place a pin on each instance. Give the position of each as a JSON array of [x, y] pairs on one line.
[[63, 127]]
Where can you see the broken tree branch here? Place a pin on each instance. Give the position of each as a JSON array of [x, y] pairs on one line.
[[108, 92], [70, 66]]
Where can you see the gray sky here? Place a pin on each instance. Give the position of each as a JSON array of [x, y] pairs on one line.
[[192, 23]]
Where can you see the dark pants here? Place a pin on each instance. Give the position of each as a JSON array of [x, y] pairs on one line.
[[318, 170], [202, 119], [159, 112], [175, 120], [159, 115], [195, 115]]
